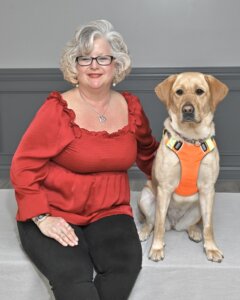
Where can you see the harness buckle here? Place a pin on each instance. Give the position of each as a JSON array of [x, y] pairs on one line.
[[177, 145], [204, 146]]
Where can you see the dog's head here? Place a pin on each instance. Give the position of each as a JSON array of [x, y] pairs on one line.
[[191, 96]]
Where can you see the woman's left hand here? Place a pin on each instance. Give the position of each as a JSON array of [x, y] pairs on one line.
[[58, 229]]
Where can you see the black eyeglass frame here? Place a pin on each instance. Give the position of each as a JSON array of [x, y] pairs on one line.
[[95, 58]]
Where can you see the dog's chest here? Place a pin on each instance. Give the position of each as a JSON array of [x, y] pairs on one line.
[[179, 205], [190, 156]]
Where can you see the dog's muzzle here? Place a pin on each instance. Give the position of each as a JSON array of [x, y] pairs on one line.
[[188, 113]]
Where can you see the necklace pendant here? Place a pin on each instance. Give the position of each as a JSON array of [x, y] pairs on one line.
[[102, 118]]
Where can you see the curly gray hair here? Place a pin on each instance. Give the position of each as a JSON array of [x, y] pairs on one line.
[[82, 44]]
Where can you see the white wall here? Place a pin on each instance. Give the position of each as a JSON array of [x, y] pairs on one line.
[[159, 33]]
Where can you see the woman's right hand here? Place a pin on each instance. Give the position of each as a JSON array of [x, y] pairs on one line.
[[58, 229]]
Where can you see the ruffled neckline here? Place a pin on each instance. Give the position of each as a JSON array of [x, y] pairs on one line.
[[134, 109]]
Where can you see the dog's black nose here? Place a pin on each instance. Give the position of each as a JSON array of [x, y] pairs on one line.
[[188, 112]]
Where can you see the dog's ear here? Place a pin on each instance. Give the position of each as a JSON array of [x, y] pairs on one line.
[[163, 89], [218, 90]]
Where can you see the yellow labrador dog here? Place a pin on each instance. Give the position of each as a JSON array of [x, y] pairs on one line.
[[181, 192]]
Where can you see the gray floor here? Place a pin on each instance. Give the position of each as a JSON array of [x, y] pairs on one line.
[[184, 272], [224, 186]]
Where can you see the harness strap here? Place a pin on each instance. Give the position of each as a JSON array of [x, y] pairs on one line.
[[190, 157]]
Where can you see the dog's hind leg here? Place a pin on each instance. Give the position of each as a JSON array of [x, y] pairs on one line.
[[195, 233], [146, 205], [189, 222]]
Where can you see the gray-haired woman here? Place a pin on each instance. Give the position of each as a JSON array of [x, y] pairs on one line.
[[70, 173]]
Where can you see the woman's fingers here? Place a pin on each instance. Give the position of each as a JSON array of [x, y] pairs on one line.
[[60, 230], [67, 235], [68, 231], [57, 237]]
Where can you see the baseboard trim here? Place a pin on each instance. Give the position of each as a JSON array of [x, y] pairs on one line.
[[226, 173]]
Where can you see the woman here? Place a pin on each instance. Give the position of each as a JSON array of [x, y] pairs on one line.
[[70, 173]]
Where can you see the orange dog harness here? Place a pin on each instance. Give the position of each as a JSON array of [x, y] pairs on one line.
[[190, 156]]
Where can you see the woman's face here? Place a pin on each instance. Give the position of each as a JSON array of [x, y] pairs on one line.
[[96, 76]]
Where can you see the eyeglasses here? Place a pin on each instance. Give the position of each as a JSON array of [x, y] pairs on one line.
[[102, 60]]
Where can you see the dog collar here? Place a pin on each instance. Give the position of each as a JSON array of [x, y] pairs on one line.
[[195, 142], [206, 143]]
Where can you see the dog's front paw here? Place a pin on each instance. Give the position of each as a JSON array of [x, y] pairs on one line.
[[214, 254], [156, 254], [144, 232]]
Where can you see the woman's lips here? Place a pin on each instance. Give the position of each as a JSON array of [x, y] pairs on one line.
[[94, 75]]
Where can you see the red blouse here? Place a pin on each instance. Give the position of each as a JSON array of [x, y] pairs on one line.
[[80, 175]]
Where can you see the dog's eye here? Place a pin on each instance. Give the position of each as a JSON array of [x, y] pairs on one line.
[[179, 92], [199, 92]]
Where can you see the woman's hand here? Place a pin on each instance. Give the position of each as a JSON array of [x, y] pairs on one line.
[[58, 229]]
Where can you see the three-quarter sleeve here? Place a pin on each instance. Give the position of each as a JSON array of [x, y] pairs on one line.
[[48, 134], [146, 143]]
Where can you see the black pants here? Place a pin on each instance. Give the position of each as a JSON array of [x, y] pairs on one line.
[[110, 246]]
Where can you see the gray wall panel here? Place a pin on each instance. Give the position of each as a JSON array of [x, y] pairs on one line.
[[23, 90]]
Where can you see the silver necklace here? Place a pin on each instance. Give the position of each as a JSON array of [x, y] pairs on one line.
[[101, 116]]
